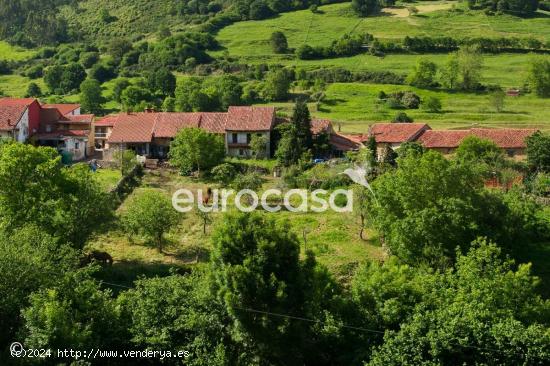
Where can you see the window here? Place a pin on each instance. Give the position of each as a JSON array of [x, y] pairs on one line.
[[248, 138], [48, 128], [234, 138], [76, 145], [510, 153]]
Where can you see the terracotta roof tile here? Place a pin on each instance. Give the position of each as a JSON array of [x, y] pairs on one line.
[[396, 132], [213, 122], [167, 125], [343, 142], [63, 108], [133, 128], [81, 118], [320, 125], [506, 138], [107, 121], [442, 138], [61, 134], [11, 111], [250, 118]]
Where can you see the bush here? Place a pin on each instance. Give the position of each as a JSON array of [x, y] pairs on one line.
[[402, 117], [279, 43], [432, 104], [89, 59]]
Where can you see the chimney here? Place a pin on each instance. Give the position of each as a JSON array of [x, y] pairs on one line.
[[9, 122]]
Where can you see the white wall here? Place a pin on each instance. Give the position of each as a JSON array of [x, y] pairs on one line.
[[23, 127]]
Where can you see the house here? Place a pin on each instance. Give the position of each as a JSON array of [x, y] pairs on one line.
[[150, 133], [71, 133], [102, 131], [392, 135], [512, 140], [339, 143], [243, 122], [57, 125], [19, 118], [65, 109]]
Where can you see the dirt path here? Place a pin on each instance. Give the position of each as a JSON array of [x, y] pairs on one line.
[[422, 9]]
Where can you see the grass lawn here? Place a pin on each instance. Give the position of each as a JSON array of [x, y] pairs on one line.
[[14, 53], [333, 237], [16, 85], [108, 178], [251, 38], [354, 106]]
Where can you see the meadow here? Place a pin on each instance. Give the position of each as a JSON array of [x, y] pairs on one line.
[[354, 106], [333, 237], [250, 39]]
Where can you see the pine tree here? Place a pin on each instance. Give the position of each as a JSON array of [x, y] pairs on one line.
[[301, 119]]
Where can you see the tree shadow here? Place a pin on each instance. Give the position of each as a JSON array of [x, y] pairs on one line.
[[122, 274], [539, 255]]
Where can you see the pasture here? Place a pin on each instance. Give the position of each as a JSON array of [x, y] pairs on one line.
[[250, 39]]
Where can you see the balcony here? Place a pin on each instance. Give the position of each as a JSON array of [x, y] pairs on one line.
[[100, 135]]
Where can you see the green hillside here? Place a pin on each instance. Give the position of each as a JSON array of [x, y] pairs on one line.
[[250, 39], [126, 18]]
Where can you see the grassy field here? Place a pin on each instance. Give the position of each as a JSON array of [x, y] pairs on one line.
[[14, 53], [354, 106], [251, 38], [108, 178], [333, 237]]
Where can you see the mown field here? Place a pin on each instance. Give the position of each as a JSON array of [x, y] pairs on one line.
[[250, 39], [333, 237], [355, 106]]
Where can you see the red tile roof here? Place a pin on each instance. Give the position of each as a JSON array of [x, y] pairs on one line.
[[167, 125], [506, 138], [63, 108], [250, 118], [213, 122], [134, 128], [11, 111], [107, 121], [81, 118], [442, 138], [343, 142], [396, 132], [60, 134], [320, 125]]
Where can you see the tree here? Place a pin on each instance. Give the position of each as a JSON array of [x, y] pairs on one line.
[[258, 145], [91, 99], [180, 312], [33, 91], [259, 10], [150, 214], [279, 43], [229, 90], [102, 72], [195, 149], [402, 117], [73, 75], [277, 85], [190, 96], [224, 174], [119, 86], [538, 152], [133, 96], [449, 73], [495, 313], [429, 205], [539, 77], [432, 104], [118, 47], [497, 100], [74, 312], [365, 7], [475, 150], [53, 77], [162, 82], [29, 260], [257, 270], [302, 121], [289, 150], [470, 64], [423, 74], [36, 189]]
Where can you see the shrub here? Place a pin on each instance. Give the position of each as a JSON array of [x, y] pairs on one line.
[[432, 104]]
